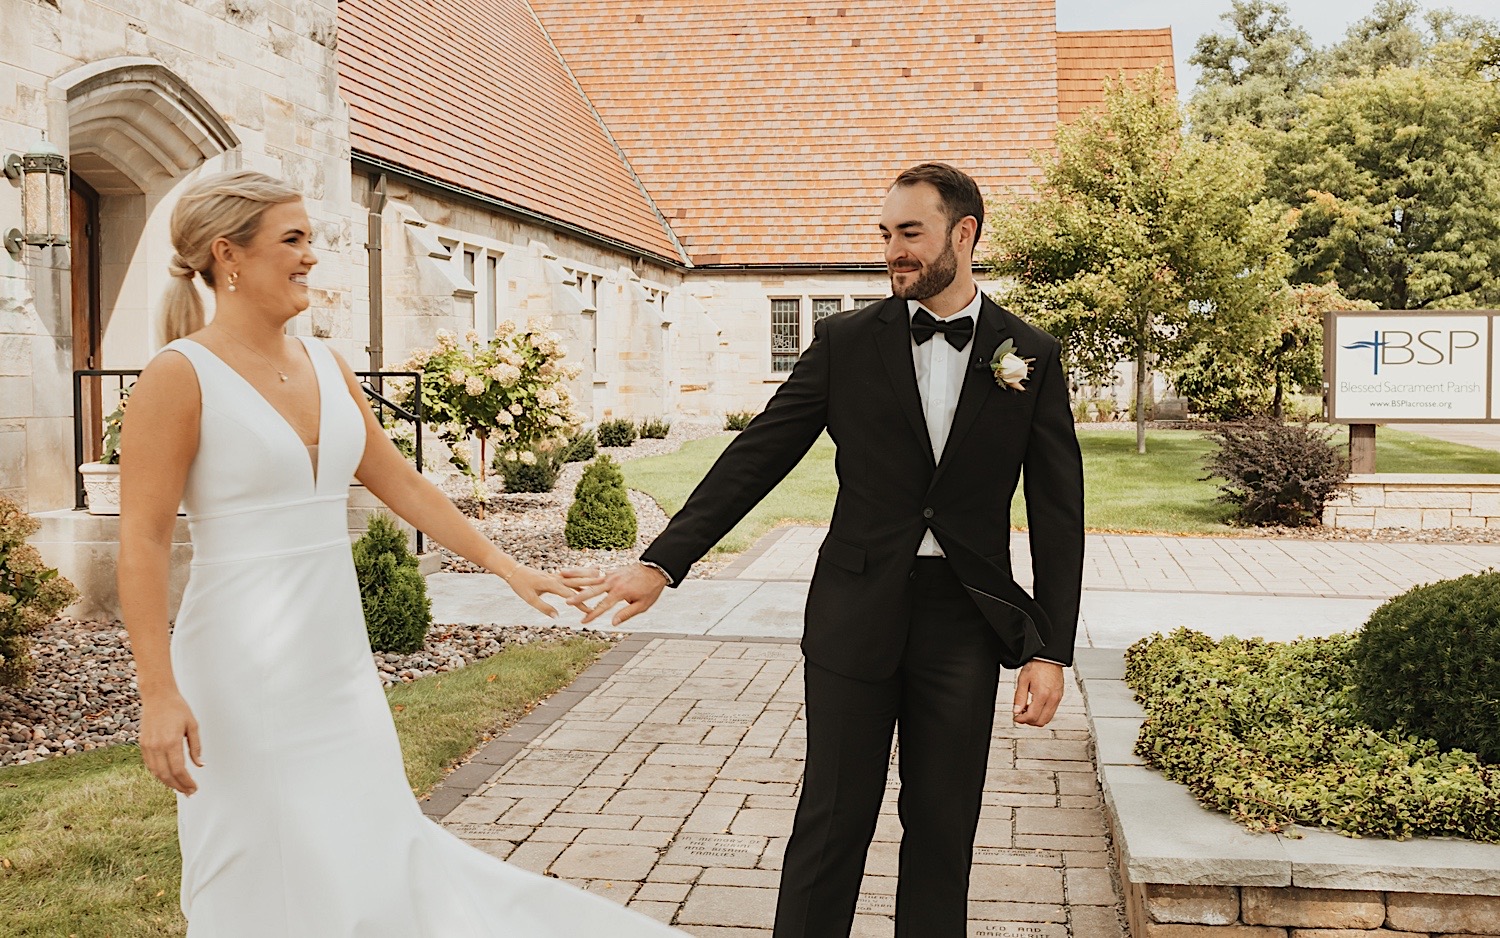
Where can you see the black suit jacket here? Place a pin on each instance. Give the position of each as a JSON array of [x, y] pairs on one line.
[[858, 381]]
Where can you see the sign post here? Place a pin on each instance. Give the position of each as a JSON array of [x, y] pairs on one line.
[[1383, 367]]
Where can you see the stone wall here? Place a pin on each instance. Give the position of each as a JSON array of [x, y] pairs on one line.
[[1389, 500], [1178, 911], [140, 96]]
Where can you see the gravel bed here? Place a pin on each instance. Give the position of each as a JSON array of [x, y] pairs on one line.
[[529, 526], [84, 696]]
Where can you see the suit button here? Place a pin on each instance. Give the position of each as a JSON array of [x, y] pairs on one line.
[[927, 512]]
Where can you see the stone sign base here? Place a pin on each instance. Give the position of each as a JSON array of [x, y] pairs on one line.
[[1392, 500]]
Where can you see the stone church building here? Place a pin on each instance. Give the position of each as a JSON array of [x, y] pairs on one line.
[[682, 188]]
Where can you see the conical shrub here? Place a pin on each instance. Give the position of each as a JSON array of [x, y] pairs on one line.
[[391, 588], [600, 517]]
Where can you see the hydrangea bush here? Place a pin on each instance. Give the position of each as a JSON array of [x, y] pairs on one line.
[[509, 392]]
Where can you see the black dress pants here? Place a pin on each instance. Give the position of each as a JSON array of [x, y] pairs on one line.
[[942, 698]]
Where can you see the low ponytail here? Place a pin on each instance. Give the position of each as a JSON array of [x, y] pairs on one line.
[[182, 306], [224, 205]]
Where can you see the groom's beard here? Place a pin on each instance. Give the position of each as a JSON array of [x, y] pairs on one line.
[[932, 280]]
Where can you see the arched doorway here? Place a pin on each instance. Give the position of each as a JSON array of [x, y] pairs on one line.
[[134, 130]]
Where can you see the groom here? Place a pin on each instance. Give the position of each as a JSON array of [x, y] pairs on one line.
[[912, 610]]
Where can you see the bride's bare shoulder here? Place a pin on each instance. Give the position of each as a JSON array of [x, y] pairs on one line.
[[168, 382]]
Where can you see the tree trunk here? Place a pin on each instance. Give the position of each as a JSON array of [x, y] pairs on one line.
[[1140, 398], [484, 491], [1276, 409]]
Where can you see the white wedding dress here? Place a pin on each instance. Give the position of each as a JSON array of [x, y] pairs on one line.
[[303, 823]]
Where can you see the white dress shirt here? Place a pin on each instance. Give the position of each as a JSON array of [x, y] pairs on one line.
[[940, 377]]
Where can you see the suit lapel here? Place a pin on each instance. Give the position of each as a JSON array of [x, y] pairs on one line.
[[893, 339], [979, 380]]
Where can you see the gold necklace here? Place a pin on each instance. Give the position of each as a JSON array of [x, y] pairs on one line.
[[263, 358]]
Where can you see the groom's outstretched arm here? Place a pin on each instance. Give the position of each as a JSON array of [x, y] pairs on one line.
[[752, 465]]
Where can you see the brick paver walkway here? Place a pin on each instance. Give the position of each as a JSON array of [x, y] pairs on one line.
[[1236, 565], [670, 784]]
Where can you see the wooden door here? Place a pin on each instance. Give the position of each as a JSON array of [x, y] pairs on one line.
[[84, 221]]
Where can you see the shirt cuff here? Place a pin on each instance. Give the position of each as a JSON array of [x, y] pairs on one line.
[[659, 569], [1049, 661]]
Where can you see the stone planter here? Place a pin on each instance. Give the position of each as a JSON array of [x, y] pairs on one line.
[[101, 484], [1187, 872]]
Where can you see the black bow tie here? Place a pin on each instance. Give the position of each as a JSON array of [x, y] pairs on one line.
[[958, 331]]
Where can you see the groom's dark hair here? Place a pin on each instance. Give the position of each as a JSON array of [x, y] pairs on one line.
[[959, 191]]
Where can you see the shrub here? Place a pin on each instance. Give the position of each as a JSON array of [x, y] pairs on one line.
[[509, 391], [1264, 731], [1428, 663], [581, 447], [1222, 385], [391, 588], [529, 470], [619, 432], [653, 429], [1104, 409], [1276, 473], [600, 517], [738, 420], [31, 594], [1081, 410]]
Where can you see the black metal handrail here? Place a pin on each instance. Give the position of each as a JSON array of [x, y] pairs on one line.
[[372, 391]]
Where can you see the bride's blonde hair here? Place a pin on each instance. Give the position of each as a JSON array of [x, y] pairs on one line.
[[224, 205]]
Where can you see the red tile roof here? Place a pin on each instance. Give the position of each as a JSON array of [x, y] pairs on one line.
[[767, 132], [471, 93], [1085, 60]]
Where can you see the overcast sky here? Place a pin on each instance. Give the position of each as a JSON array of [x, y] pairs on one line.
[[1325, 20]]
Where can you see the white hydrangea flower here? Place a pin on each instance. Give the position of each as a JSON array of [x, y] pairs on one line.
[[474, 386], [517, 409], [529, 458], [457, 377]]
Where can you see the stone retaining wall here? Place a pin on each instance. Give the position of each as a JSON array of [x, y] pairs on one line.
[[1391, 500], [1160, 910], [1187, 872]]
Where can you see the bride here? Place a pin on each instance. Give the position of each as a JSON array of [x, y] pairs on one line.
[[294, 817]]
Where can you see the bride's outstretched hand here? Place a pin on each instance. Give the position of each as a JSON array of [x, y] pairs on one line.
[[531, 585], [166, 722]]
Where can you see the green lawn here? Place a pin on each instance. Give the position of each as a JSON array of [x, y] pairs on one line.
[[1162, 491], [88, 843]]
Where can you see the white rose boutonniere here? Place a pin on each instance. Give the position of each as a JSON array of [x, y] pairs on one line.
[[1011, 370]]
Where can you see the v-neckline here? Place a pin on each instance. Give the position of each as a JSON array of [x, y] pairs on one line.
[[312, 452]]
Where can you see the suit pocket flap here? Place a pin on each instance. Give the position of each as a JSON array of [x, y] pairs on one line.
[[843, 554]]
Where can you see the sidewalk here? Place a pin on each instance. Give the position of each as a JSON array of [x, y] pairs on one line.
[[1133, 585], [671, 783], [667, 775]]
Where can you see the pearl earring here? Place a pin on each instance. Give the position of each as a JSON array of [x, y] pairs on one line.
[[233, 279]]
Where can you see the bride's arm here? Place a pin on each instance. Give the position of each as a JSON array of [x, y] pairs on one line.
[[392, 478], [158, 441]]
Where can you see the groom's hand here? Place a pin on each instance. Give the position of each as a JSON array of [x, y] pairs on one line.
[[1039, 689], [637, 586]]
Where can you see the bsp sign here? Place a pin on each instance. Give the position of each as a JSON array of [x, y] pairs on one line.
[[1403, 366]]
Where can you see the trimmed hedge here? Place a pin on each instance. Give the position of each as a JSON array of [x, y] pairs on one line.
[[391, 588], [1266, 732], [1428, 663], [601, 517]]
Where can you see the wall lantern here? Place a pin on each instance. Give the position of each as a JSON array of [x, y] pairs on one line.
[[43, 172]]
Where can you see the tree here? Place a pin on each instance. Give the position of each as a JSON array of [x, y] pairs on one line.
[[1231, 382], [1140, 243], [1397, 35], [1395, 182], [1255, 73]]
